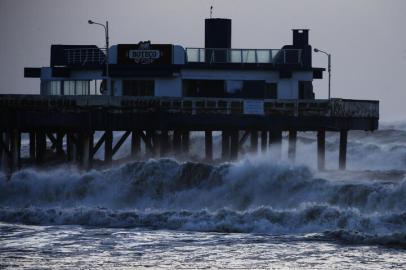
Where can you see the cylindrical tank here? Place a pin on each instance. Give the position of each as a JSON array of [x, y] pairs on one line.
[[217, 33]]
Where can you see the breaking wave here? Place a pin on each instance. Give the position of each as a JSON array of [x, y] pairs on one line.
[[253, 195]]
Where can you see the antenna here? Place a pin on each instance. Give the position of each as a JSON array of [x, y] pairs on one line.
[[211, 11]]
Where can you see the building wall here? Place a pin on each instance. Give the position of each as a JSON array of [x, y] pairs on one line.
[[168, 87]]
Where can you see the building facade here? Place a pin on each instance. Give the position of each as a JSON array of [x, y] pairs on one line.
[[168, 70]]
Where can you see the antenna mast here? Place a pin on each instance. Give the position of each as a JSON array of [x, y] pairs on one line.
[[211, 11]]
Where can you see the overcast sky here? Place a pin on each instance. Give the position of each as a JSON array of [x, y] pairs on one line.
[[367, 38]]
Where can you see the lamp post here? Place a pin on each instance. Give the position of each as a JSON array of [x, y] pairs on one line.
[[106, 32], [329, 70]]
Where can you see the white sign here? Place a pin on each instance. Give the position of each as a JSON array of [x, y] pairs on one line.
[[254, 107], [143, 56]]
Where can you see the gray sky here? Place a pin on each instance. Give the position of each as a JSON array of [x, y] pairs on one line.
[[366, 37]]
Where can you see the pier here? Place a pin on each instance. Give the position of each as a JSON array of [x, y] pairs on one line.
[[63, 127]]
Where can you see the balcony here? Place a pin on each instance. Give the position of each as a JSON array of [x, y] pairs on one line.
[[85, 56], [244, 56]]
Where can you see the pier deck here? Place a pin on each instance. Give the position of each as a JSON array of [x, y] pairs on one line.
[[164, 124]]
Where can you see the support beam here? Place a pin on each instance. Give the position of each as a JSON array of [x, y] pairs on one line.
[[234, 145], [343, 150], [98, 144], [120, 142], [292, 145], [243, 139], [149, 142], [208, 143], [275, 143], [225, 145], [108, 146], [321, 150], [254, 141], [264, 141]]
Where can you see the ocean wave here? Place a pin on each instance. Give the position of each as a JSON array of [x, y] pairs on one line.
[[166, 185], [347, 225]]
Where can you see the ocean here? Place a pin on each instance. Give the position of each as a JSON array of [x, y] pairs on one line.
[[256, 213]]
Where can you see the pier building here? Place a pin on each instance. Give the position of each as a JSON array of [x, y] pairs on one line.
[[156, 94]]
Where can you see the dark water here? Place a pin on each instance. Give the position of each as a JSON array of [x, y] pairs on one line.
[[255, 213]]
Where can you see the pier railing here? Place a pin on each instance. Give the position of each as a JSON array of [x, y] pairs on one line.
[[244, 56], [344, 108], [85, 56]]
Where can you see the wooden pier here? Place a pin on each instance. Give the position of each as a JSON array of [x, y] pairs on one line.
[[63, 127]]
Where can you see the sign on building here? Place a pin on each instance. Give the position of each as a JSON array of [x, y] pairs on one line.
[[144, 53], [252, 106]]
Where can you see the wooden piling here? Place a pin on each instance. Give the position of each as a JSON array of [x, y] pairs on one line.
[[321, 150], [225, 145], [343, 150], [264, 141], [108, 146], [135, 143], [32, 145], [208, 143], [185, 142], [40, 147], [292, 145], [234, 144], [164, 143], [15, 139], [275, 143], [254, 141]]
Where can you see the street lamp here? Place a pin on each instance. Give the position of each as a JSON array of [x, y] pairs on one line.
[[329, 70], [106, 31]]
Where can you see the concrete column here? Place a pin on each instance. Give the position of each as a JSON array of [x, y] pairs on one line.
[[208, 143], [321, 150], [177, 139], [225, 145], [264, 141], [108, 146], [135, 143], [32, 145], [343, 149], [254, 141], [292, 145], [185, 141], [234, 145], [275, 143]]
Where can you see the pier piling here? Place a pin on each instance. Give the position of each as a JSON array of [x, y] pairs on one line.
[[292, 145], [343, 150], [321, 150], [208, 139]]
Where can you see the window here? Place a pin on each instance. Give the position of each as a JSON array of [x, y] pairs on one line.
[[138, 87], [72, 88], [51, 88], [271, 91]]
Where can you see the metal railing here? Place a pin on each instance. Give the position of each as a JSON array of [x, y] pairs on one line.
[[343, 108], [85, 56], [244, 56]]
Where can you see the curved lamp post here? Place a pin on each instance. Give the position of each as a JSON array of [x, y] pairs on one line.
[[106, 32], [329, 70]]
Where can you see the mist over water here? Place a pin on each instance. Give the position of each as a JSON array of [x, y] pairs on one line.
[[256, 195]]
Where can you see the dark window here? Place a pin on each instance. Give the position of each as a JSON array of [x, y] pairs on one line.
[[203, 88], [271, 91], [138, 87]]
